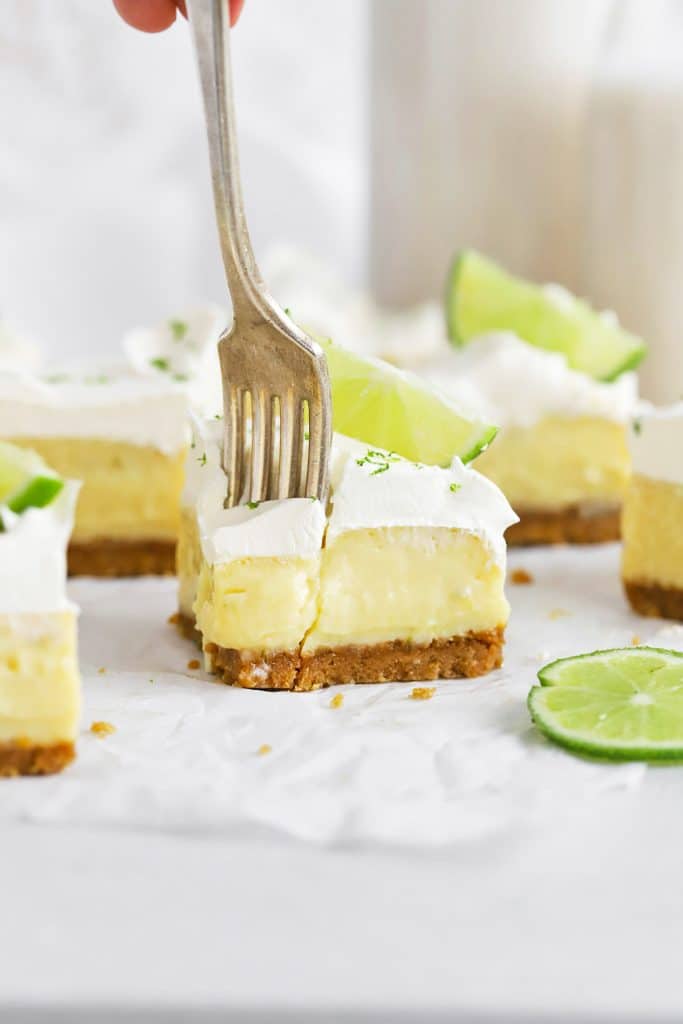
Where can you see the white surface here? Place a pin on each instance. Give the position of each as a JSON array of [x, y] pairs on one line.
[[383, 768], [559, 896]]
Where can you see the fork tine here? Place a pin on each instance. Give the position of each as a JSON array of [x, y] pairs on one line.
[[290, 446], [261, 443], [234, 444], [317, 451]]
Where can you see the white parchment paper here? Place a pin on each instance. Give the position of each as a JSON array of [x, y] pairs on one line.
[[465, 765]]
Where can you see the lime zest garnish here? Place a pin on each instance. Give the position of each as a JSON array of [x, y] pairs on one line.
[[178, 328], [381, 460]]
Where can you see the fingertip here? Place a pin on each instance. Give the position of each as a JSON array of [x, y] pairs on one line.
[[235, 10], [147, 15]]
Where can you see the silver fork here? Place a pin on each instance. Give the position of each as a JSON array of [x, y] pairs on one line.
[[276, 390]]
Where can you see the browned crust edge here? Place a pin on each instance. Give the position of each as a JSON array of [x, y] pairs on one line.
[[188, 627], [654, 601], [574, 524], [21, 757], [116, 558], [470, 655]]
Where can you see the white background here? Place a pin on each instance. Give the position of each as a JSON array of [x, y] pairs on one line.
[[106, 216]]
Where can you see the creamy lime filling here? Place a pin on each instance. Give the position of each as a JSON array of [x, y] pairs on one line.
[[258, 604], [559, 462], [39, 680], [652, 535], [406, 583]]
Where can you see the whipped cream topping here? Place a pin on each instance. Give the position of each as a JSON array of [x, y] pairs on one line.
[[204, 458], [373, 488], [16, 351], [33, 556], [369, 488], [502, 378], [272, 529], [656, 443], [116, 406], [269, 529], [183, 348]]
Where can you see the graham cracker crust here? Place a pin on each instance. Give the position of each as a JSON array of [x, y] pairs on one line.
[[21, 757], [114, 558], [187, 626], [575, 524], [473, 654], [655, 602]]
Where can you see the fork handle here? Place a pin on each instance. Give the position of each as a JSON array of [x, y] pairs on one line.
[[210, 23]]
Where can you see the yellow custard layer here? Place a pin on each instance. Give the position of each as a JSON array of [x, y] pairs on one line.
[[409, 583], [264, 604], [559, 462], [188, 561], [129, 492], [368, 587], [652, 530], [39, 679]]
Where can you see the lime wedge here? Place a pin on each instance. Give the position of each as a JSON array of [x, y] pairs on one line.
[[623, 705], [482, 297], [391, 409], [25, 480]]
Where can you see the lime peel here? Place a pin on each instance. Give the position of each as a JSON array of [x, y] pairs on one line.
[[482, 297], [25, 480], [380, 405]]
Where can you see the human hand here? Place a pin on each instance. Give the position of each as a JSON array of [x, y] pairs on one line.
[[156, 15]]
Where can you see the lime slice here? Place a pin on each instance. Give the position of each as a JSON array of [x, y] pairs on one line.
[[482, 297], [383, 406], [25, 480], [624, 704]]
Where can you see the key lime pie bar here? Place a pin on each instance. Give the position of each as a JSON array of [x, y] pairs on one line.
[[652, 561], [561, 455], [555, 374], [401, 580], [125, 436], [39, 681]]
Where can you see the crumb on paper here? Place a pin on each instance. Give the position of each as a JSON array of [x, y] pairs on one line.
[[102, 729], [520, 576], [194, 663], [337, 700], [174, 619], [265, 748], [558, 613], [635, 640], [101, 671], [422, 692]]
